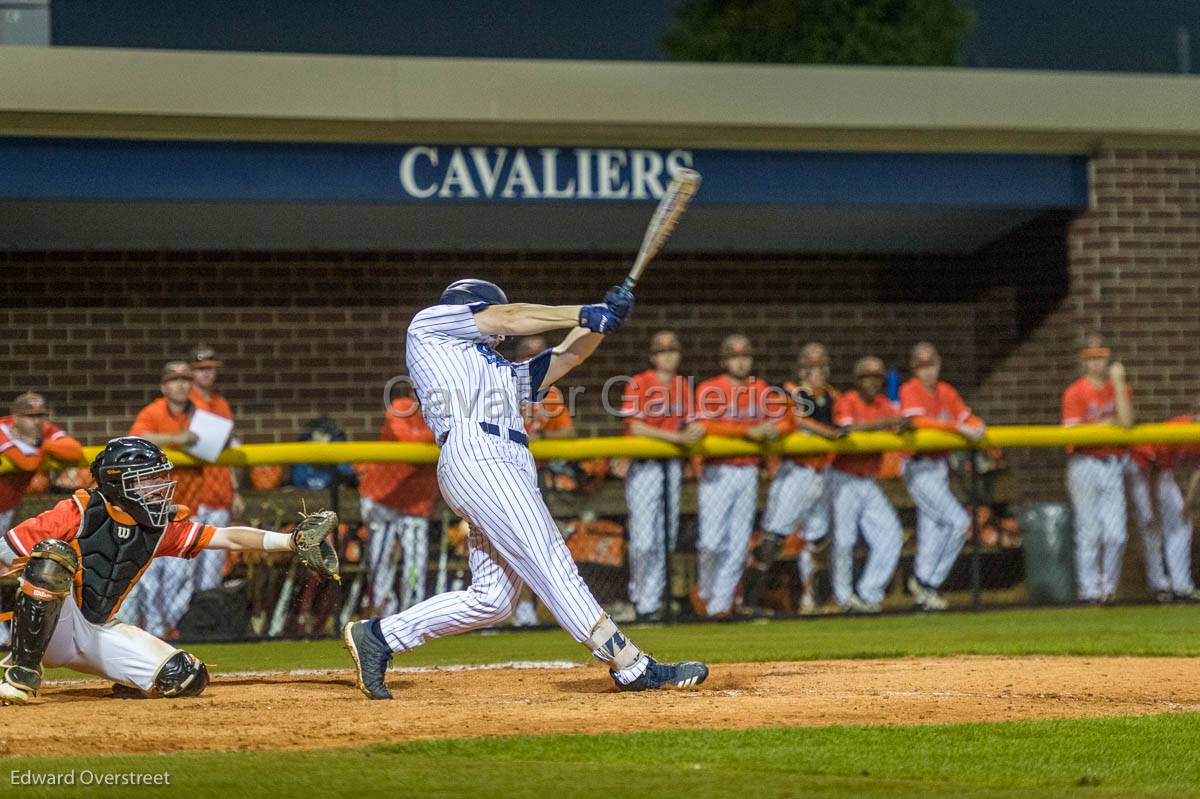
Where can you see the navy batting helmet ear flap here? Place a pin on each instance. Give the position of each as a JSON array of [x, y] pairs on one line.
[[471, 291]]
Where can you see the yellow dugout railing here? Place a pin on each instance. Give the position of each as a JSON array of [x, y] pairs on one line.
[[1035, 436]]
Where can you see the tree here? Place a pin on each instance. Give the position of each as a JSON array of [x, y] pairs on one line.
[[886, 32]]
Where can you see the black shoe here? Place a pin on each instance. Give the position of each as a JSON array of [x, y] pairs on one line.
[[371, 658], [667, 675]]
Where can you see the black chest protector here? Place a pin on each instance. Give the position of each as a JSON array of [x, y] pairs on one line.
[[112, 555]]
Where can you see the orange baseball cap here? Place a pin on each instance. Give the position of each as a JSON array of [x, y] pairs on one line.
[[176, 370], [736, 345], [205, 357], [664, 341], [29, 404]]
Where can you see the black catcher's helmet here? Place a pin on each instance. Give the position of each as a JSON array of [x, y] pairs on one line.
[[134, 475], [471, 291]]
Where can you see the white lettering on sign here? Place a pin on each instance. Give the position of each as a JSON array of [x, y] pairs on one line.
[[549, 173]]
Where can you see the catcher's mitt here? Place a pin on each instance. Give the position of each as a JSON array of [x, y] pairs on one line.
[[311, 539]]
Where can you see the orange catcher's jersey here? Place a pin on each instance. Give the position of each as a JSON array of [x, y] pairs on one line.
[[407, 488]]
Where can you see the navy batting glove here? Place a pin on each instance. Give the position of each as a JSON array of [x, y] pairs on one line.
[[620, 299], [599, 318]]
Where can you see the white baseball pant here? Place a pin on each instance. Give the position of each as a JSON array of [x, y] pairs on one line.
[[651, 491], [942, 523], [1167, 535], [798, 497], [387, 527], [492, 483], [209, 566], [116, 651], [859, 506], [1097, 490], [727, 498], [6, 518]]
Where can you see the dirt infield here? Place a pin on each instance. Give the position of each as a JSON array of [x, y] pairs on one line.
[[325, 710]]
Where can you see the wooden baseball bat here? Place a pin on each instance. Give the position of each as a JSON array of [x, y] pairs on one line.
[[670, 207]]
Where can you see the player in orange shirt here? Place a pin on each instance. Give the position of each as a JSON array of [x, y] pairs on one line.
[[1162, 514], [734, 404], [797, 498], [81, 558], [657, 403], [942, 523], [397, 501], [219, 501], [1095, 475], [27, 440], [163, 594], [859, 506]]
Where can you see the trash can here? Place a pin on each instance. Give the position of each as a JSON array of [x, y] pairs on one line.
[[1048, 536]]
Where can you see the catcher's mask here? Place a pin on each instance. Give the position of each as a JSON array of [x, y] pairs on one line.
[[134, 475]]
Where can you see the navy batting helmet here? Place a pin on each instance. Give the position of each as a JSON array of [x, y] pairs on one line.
[[471, 291]]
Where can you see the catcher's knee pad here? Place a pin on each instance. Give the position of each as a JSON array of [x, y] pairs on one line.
[[766, 551], [182, 675], [45, 583]]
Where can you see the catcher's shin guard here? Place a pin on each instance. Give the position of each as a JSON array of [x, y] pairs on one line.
[[44, 585], [762, 558], [182, 675]]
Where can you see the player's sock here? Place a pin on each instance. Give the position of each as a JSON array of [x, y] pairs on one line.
[[626, 676]]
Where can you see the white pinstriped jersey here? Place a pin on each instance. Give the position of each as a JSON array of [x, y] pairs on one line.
[[460, 379]]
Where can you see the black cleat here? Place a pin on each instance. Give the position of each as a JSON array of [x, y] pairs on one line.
[[667, 675], [371, 658]]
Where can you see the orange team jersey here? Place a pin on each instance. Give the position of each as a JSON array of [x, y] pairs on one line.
[[548, 416], [648, 401], [27, 458], [851, 408], [1168, 456], [1083, 403], [407, 488], [729, 409], [940, 409], [181, 539], [805, 418], [157, 418], [216, 490]]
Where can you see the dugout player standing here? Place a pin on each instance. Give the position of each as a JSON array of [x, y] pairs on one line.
[[797, 498], [733, 404], [942, 523], [859, 506], [80, 559], [471, 398], [657, 403], [219, 500], [397, 501], [1095, 475], [27, 439]]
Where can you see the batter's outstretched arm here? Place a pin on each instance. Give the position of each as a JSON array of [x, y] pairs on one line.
[[523, 319], [576, 348]]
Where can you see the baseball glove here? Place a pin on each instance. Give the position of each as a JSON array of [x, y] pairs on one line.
[[311, 540]]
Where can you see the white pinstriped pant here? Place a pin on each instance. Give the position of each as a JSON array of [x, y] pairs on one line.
[[1097, 490], [1167, 544], [860, 506], [650, 535], [6, 518], [387, 528], [492, 483], [727, 497], [941, 521]]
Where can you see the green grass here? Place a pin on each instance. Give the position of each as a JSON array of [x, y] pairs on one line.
[[1141, 631], [1151, 756]]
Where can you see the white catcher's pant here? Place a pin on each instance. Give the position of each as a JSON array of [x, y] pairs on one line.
[[493, 484], [651, 490], [859, 506], [6, 518], [727, 498], [1167, 536], [942, 523], [116, 651], [1097, 490], [387, 526]]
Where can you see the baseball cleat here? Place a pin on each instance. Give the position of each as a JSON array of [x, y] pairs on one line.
[[14, 691], [667, 675], [371, 658], [926, 598], [856, 604]]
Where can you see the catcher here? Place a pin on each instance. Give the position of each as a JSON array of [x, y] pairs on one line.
[[80, 559]]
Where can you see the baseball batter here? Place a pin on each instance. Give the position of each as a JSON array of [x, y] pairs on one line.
[[736, 405], [942, 522], [1095, 475], [80, 559], [859, 506], [658, 404], [797, 499], [471, 398]]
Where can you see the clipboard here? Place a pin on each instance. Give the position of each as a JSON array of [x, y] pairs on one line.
[[213, 432]]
